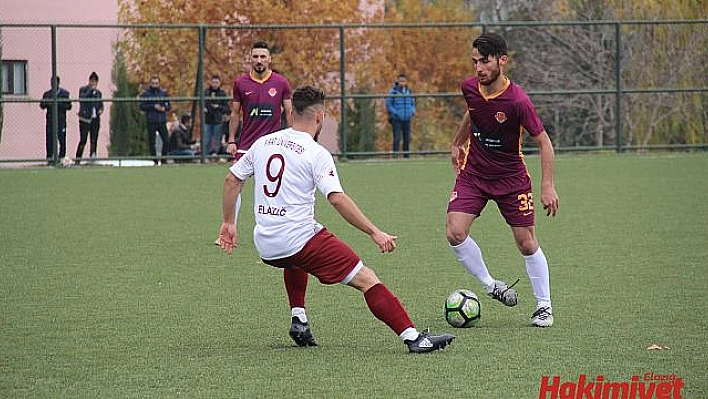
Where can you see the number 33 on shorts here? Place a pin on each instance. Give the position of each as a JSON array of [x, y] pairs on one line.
[[525, 203]]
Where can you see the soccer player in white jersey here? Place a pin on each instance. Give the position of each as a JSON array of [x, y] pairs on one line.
[[288, 166]]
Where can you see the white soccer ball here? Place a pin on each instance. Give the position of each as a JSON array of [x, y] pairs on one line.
[[66, 162], [462, 309]]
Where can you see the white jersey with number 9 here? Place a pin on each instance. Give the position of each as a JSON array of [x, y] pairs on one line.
[[287, 166]]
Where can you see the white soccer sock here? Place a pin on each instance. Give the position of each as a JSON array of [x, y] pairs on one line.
[[469, 254], [238, 208], [537, 269], [299, 313], [409, 334]]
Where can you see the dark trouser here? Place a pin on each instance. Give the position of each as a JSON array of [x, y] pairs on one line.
[[50, 143], [161, 128], [401, 130], [84, 130]]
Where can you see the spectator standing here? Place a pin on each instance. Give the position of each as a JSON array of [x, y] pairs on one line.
[[47, 103], [155, 103], [215, 107], [90, 110], [400, 105]]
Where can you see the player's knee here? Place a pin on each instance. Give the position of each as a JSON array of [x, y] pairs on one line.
[[364, 279], [527, 246], [455, 236]]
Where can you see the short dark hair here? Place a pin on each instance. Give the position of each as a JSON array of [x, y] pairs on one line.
[[402, 75], [260, 44], [185, 118], [215, 76], [93, 76], [490, 44], [307, 96]]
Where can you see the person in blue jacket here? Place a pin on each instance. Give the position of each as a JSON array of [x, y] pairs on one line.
[[400, 105], [155, 103]]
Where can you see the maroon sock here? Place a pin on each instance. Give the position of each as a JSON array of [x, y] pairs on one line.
[[387, 308], [295, 285]]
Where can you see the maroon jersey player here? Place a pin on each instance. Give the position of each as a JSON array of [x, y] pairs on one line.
[[262, 102], [259, 97], [492, 167]]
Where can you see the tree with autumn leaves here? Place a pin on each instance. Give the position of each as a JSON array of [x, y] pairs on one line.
[[434, 58], [373, 55]]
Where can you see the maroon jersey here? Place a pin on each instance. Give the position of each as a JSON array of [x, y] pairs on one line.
[[261, 105], [497, 123]]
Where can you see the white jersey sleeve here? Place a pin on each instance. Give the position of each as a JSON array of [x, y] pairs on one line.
[[325, 174], [243, 168]]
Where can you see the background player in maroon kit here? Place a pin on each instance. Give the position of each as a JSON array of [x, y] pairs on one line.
[[260, 97], [493, 168]]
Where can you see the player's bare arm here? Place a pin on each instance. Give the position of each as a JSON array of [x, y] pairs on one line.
[[228, 236], [457, 149], [352, 214], [288, 109], [231, 147], [549, 197]]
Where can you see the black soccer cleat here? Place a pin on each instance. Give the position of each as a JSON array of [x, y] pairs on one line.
[[300, 333], [428, 343]]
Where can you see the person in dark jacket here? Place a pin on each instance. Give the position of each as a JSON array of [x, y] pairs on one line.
[[400, 105], [155, 103], [90, 110], [181, 142], [216, 105], [47, 103]]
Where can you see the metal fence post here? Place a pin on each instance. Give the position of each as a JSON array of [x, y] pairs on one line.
[[55, 93], [618, 87], [200, 92], [343, 90]]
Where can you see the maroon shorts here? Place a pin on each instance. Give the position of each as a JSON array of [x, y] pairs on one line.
[[512, 194], [325, 256]]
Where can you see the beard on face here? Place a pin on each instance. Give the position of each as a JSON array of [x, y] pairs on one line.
[[491, 77]]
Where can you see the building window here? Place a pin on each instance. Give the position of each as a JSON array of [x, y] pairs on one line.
[[14, 77]]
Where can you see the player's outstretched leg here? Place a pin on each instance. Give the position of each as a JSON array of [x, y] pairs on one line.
[[387, 308], [300, 333], [503, 293]]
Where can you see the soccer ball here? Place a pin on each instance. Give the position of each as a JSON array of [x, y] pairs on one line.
[[462, 309], [66, 162]]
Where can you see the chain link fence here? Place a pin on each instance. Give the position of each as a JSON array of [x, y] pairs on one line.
[[597, 85]]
